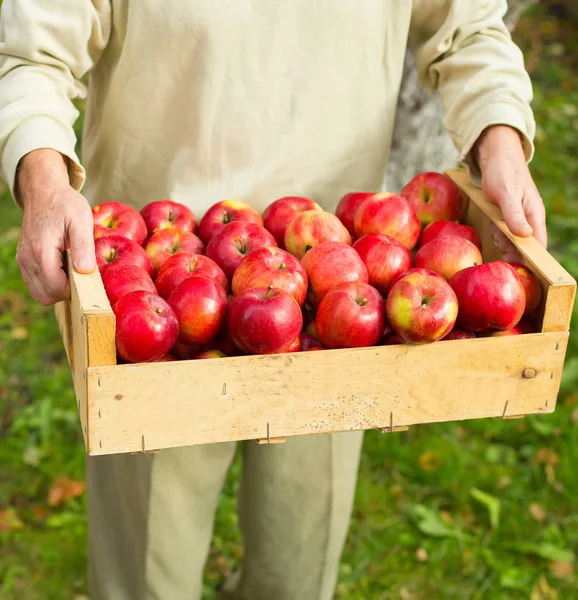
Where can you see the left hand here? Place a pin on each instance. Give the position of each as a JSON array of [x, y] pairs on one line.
[[507, 182]]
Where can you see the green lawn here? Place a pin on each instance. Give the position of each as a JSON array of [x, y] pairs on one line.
[[484, 509]]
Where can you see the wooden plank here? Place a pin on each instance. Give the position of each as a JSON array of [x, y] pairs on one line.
[[87, 327], [163, 405], [558, 286]]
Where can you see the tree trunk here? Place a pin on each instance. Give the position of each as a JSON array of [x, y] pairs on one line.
[[420, 142]]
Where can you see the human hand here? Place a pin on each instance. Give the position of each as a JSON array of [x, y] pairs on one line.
[[56, 218], [506, 181]]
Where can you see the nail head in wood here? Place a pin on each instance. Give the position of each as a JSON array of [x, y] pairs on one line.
[[118, 397], [224, 392], [529, 373]]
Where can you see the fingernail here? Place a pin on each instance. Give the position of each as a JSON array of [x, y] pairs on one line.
[[84, 264], [525, 227]]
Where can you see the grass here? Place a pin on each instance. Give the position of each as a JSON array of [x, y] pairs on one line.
[[483, 509]]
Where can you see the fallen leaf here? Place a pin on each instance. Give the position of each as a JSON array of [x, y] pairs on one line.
[[63, 489], [561, 569], [543, 591], [537, 512], [429, 461], [492, 504], [545, 456], [446, 517], [421, 554], [19, 333], [9, 520]]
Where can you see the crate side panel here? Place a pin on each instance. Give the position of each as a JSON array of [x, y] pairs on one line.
[[163, 405]]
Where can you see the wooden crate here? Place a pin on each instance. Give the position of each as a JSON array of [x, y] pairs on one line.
[[145, 407]]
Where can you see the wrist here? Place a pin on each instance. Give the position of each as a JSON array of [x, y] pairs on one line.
[[496, 140], [41, 171]]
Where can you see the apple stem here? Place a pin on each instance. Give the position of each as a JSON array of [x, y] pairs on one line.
[[112, 255], [362, 302], [159, 310], [424, 305], [225, 217], [170, 217], [282, 266], [269, 292], [307, 248]]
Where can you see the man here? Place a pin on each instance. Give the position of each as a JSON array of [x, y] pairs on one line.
[[198, 101]]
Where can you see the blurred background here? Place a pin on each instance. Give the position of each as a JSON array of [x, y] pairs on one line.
[[484, 509]]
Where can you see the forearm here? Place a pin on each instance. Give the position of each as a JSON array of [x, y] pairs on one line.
[[497, 139], [39, 172]]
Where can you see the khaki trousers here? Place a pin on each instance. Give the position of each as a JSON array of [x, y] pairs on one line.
[[151, 519]]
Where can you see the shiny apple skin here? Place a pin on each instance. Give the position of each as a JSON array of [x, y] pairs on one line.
[[224, 212], [421, 308], [200, 304], [447, 255], [385, 259], [264, 320], [183, 265], [116, 218], [389, 214], [312, 228], [167, 214], [146, 327], [118, 250], [491, 297], [351, 315], [120, 280], [278, 215]]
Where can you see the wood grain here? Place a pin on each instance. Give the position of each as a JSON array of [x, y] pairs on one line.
[[164, 405], [558, 286]]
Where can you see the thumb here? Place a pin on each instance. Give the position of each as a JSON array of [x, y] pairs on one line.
[[80, 235], [510, 203]]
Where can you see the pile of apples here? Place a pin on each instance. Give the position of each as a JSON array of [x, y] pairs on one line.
[[384, 269]]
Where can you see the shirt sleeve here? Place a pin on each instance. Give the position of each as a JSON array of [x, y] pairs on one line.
[[46, 47], [465, 51]]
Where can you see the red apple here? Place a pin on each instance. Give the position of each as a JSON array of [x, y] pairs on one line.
[[385, 259], [226, 211], [264, 320], [120, 280], [115, 218], [271, 266], [442, 228], [459, 334], [389, 214], [531, 285], [330, 264], [185, 351], [311, 228], [200, 304], [211, 354], [308, 341], [146, 327], [415, 270], [183, 265], [351, 315], [491, 297], [421, 308], [435, 197], [447, 255], [280, 213], [114, 249], [168, 242], [347, 208], [236, 240], [166, 214]]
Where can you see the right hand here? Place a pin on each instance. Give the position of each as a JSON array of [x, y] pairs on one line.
[[56, 218]]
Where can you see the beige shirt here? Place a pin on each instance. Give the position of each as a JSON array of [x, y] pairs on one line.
[[205, 100]]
